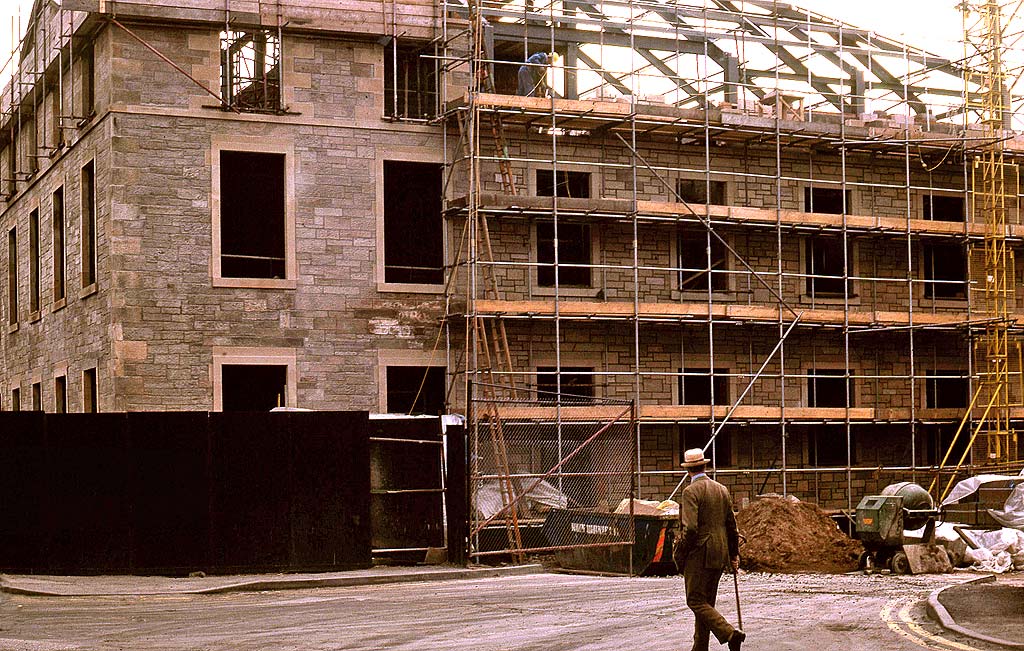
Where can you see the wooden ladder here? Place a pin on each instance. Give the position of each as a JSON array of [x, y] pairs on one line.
[[493, 354]]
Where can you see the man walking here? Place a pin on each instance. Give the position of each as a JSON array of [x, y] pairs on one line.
[[708, 542]]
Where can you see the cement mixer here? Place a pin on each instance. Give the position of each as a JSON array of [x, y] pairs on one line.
[[881, 525]]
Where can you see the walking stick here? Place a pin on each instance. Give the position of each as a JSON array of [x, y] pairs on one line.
[[736, 584]]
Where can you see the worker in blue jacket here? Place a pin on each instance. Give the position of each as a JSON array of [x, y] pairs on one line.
[[533, 76]]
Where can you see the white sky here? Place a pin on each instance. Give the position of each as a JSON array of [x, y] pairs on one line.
[[9, 10], [934, 25], [931, 24]]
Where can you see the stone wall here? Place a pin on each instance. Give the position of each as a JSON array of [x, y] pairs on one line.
[[156, 316], [890, 271], [69, 335], [756, 467], [880, 372]]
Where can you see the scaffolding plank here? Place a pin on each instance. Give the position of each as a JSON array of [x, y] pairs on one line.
[[699, 311], [738, 214], [702, 413], [759, 413], [884, 135]]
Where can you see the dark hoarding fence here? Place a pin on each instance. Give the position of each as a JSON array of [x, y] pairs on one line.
[[90, 504], [170, 487], [330, 478], [25, 493], [179, 492]]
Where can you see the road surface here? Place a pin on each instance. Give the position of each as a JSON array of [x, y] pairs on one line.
[[544, 612]]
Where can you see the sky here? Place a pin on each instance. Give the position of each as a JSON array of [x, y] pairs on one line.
[[934, 25], [9, 10]]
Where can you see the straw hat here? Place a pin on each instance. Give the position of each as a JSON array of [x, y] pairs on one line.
[[693, 458]]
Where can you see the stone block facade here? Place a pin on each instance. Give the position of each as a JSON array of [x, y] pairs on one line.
[[156, 317]]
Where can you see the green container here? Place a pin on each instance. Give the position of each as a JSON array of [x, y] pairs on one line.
[[880, 521]]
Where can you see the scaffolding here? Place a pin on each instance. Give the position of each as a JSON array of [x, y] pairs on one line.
[[48, 98], [995, 180], [779, 217], [42, 105]]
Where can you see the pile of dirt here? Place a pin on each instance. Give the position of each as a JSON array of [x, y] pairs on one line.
[[788, 536]]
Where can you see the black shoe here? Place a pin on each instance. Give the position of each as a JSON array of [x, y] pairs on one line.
[[736, 639]]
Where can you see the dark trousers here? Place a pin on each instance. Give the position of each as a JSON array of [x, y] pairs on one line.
[[701, 590], [531, 82]]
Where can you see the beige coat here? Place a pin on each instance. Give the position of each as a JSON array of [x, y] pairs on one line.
[[707, 526]]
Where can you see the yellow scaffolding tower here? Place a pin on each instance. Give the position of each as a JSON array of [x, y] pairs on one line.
[[994, 188]]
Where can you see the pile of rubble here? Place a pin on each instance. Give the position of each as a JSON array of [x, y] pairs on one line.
[[786, 535]]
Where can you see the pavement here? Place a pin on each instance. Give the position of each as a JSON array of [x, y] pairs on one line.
[[987, 608]]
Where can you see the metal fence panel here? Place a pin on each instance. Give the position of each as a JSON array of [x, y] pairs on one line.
[[406, 485], [535, 459]]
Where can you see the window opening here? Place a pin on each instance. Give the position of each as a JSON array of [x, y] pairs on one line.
[[88, 66], [938, 439], [33, 261], [827, 446], [411, 84], [570, 184], [697, 436], [88, 224], [829, 201], [946, 389], [826, 387], [403, 385], [252, 214], [505, 72], [60, 394], [32, 148], [254, 387], [695, 386], [413, 232], [944, 208], [697, 191], [90, 394], [15, 399], [250, 70], [577, 384], [945, 271], [824, 267], [59, 260], [57, 134], [12, 160], [573, 254], [12, 276], [37, 396], [693, 262]]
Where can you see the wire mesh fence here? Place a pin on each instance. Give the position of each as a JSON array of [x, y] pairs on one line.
[[541, 463]]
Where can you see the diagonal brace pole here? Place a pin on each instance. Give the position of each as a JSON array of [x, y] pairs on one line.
[[745, 391], [707, 224], [554, 469], [174, 65]]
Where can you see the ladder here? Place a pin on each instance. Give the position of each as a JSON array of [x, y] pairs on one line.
[[491, 347]]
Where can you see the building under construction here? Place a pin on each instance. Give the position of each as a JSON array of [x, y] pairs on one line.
[[740, 225]]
